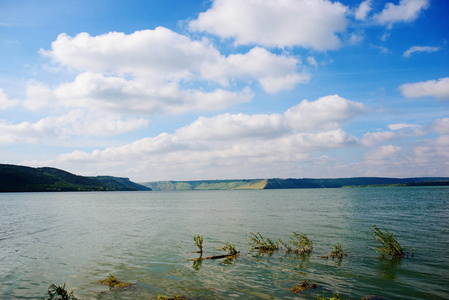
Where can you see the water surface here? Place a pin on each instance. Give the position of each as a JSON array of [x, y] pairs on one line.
[[147, 238]]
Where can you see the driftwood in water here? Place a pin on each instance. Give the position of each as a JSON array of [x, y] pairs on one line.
[[228, 256]]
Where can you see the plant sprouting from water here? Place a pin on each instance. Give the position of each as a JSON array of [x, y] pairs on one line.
[[338, 252], [387, 244], [303, 286], [335, 296], [199, 242], [298, 243], [112, 282], [263, 244], [59, 293], [177, 297], [230, 248]]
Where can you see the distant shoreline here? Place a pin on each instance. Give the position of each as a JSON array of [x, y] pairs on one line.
[[15, 178], [291, 183]]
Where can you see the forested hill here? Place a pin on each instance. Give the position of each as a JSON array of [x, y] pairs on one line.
[[291, 183], [14, 178]]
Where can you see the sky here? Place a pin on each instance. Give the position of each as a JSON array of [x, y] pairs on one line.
[[159, 90]]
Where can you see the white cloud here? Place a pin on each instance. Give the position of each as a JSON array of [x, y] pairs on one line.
[[145, 72], [101, 125], [274, 72], [26, 132], [441, 125], [234, 126], [270, 22], [385, 36], [6, 103], [433, 88], [160, 52], [323, 114], [363, 10], [400, 131], [97, 92], [434, 154], [373, 138], [402, 126], [405, 11], [72, 124], [161, 56], [38, 96], [384, 153], [233, 141], [311, 60], [202, 159], [427, 157], [288, 82], [419, 49], [355, 38]]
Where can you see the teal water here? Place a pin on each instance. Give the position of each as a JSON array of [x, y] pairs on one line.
[[147, 238]]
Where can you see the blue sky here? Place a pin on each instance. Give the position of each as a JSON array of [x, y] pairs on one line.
[[226, 89]]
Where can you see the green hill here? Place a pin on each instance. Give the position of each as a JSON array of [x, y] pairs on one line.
[[206, 185], [14, 178], [292, 183]]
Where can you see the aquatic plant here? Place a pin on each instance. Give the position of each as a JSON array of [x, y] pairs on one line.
[[338, 252], [177, 297], [59, 293], [199, 242], [263, 244], [335, 296], [298, 243], [303, 286], [230, 248], [197, 264], [387, 244], [232, 253], [112, 282]]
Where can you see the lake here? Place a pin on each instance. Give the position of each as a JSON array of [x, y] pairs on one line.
[[146, 238]]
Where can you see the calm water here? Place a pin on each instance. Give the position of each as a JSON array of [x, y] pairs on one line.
[[147, 238]]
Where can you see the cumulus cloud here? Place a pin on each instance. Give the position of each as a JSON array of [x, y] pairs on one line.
[[269, 22], [312, 61], [433, 88], [235, 140], [323, 114], [419, 49], [26, 132], [234, 126], [384, 153], [427, 157], [38, 96], [161, 55], [441, 125], [373, 138], [405, 11], [97, 92], [400, 126], [144, 71], [355, 38], [274, 72], [363, 10], [159, 52], [6, 103], [433, 153], [201, 159], [399, 131], [73, 123]]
